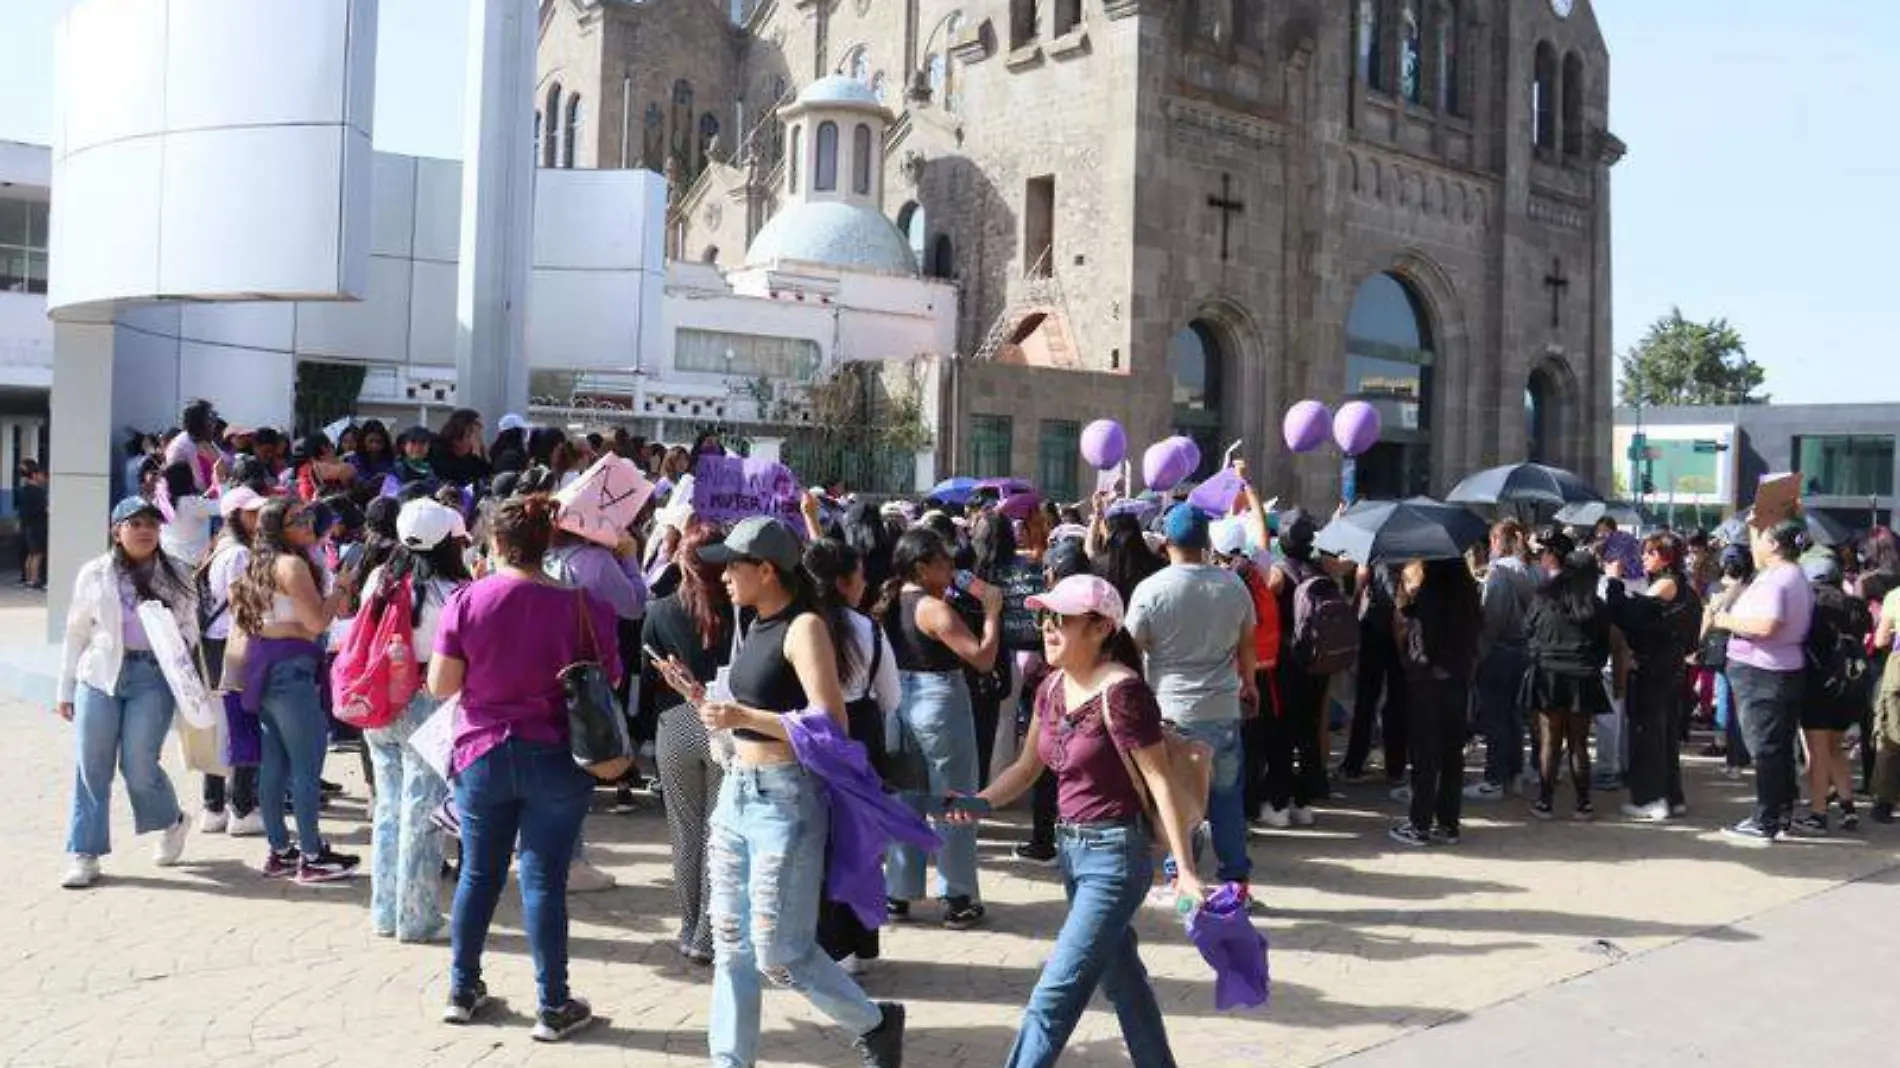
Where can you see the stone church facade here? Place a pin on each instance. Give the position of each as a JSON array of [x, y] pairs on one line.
[[1184, 214]]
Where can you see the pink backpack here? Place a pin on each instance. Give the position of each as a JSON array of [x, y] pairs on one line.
[[374, 674]]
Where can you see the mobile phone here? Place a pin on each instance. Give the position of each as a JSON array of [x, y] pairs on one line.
[[652, 654], [971, 804]]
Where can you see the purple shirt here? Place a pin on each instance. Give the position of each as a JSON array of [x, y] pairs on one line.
[[1092, 783], [515, 636], [596, 569], [1780, 593]]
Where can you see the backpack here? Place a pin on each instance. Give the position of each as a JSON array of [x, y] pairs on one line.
[[1266, 616], [375, 674], [1189, 764], [1325, 627], [1836, 648]]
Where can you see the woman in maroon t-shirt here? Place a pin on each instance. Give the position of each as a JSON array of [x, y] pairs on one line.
[[1096, 725]]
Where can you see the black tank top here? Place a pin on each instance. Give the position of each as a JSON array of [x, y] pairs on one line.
[[761, 677], [915, 650]]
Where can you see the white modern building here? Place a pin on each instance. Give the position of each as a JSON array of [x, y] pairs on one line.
[[26, 337]]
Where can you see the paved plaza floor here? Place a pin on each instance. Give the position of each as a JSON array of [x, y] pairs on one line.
[[1378, 951]]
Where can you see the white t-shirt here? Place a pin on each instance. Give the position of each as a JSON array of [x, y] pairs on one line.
[[227, 564], [186, 537], [424, 620], [886, 686]]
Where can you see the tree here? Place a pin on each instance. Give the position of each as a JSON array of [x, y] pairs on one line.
[[1685, 363]]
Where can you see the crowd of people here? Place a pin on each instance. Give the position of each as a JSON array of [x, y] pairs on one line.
[[826, 712]]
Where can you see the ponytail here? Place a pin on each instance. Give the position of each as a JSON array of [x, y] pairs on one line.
[[523, 528]]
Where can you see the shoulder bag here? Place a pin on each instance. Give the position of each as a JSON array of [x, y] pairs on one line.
[[597, 731]]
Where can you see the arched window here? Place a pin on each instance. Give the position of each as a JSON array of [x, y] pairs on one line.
[[711, 255], [708, 137], [1573, 105], [911, 222], [825, 170], [1389, 362], [1194, 357], [682, 139], [1536, 420], [1411, 52], [943, 262], [1544, 99], [537, 137], [861, 160], [571, 133], [551, 144], [1450, 93], [1369, 44], [791, 163]]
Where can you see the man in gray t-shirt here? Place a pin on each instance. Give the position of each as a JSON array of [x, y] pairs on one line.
[[1194, 623]]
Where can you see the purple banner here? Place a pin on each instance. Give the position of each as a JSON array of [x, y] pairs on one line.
[[727, 489], [1216, 496]]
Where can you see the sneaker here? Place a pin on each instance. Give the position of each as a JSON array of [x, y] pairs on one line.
[[1446, 836], [896, 911], [555, 1024], [854, 965], [1882, 812], [1402, 794], [1302, 816], [584, 878], [328, 866], [278, 865], [883, 1046], [213, 821], [1850, 820], [1277, 818], [464, 1004], [1750, 832], [624, 801], [1407, 835], [1654, 812], [1484, 791], [961, 914], [83, 872], [1584, 813], [171, 842], [1542, 810], [1812, 825], [1035, 853], [246, 825]]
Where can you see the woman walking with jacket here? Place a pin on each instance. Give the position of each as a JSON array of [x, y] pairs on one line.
[[112, 692], [1569, 642]]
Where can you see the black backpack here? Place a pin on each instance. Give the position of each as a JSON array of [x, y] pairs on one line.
[[1836, 649]]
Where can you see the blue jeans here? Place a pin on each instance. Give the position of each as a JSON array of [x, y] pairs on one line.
[[1105, 873], [405, 847], [1226, 798], [296, 735], [937, 727], [1501, 713], [125, 728], [534, 792], [1768, 704], [767, 861]]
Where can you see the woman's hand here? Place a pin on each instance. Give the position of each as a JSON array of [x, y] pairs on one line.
[[959, 816], [676, 676], [808, 504], [65, 711], [721, 715], [1188, 885]]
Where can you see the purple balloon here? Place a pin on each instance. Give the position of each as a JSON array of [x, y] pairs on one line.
[[1356, 427], [1306, 426], [1166, 463], [1104, 444], [1193, 449]]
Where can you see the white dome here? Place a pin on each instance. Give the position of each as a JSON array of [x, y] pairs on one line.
[[837, 89], [836, 234]]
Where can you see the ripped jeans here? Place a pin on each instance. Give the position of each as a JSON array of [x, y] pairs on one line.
[[767, 863]]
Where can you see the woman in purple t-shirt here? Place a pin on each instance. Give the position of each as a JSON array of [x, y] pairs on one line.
[[499, 644], [1096, 725]]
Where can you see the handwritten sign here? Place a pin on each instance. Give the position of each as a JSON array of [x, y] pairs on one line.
[[602, 504], [727, 489]]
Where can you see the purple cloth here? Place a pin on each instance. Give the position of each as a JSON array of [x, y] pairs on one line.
[[263, 654], [1230, 945], [864, 819], [244, 738], [610, 578]]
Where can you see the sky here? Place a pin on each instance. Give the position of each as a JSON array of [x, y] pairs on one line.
[[1760, 184]]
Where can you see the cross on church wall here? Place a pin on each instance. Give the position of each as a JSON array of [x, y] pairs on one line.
[[1228, 208], [1559, 286]]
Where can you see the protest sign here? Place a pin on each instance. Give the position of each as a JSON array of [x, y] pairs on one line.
[[727, 489]]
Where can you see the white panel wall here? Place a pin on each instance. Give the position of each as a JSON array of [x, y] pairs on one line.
[[212, 148], [599, 270], [26, 342]]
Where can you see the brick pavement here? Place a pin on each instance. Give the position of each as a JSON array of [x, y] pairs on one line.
[[208, 962]]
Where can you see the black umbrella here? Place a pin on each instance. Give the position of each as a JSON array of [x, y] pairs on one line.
[[1823, 529], [1523, 483], [1590, 513], [1372, 532]]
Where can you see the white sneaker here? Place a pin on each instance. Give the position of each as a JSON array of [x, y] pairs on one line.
[[1654, 812], [1403, 795], [1484, 791], [1302, 816], [584, 878], [1277, 817], [852, 965], [171, 843], [213, 821], [83, 873], [1679, 810], [249, 825]]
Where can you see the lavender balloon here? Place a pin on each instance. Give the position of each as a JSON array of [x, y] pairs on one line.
[[1356, 427], [1166, 463], [1104, 444], [1306, 426]]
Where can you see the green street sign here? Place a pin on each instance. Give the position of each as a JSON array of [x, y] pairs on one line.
[[1709, 447]]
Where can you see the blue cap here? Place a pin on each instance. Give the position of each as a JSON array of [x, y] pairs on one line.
[[132, 508], [1186, 528]]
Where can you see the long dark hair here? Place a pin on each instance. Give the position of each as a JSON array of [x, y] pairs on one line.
[[423, 569], [251, 594], [701, 593], [866, 533], [374, 426], [200, 420], [160, 581], [1126, 559], [918, 546], [1572, 591], [993, 537], [1448, 613], [180, 481]]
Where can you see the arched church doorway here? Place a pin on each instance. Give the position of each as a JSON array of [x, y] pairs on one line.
[[1389, 358], [1195, 357]]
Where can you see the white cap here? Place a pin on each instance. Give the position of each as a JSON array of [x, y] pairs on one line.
[[424, 524], [511, 421], [1229, 535], [240, 499]]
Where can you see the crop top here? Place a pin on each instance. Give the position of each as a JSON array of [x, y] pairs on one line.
[[915, 650], [761, 676]]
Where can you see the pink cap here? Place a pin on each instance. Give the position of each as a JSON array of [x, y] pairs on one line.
[[240, 499], [1080, 595]]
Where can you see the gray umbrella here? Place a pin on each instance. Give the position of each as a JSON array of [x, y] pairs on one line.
[[1590, 513], [1523, 483], [1420, 528]]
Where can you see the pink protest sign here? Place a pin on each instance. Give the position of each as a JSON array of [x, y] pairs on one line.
[[727, 489], [602, 504]]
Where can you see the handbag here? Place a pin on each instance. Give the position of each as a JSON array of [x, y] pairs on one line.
[[596, 728], [204, 749]]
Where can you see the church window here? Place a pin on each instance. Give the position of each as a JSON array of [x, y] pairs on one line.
[[1039, 226], [682, 139], [791, 164], [571, 133], [653, 139], [861, 160], [1544, 99], [1022, 23], [1194, 358], [1411, 52], [910, 223], [943, 261], [1369, 45], [1450, 77], [708, 137], [1067, 16], [551, 144], [944, 80], [1573, 105], [1389, 361], [825, 171]]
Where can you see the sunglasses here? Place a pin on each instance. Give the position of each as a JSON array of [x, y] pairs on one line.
[[1046, 618]]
